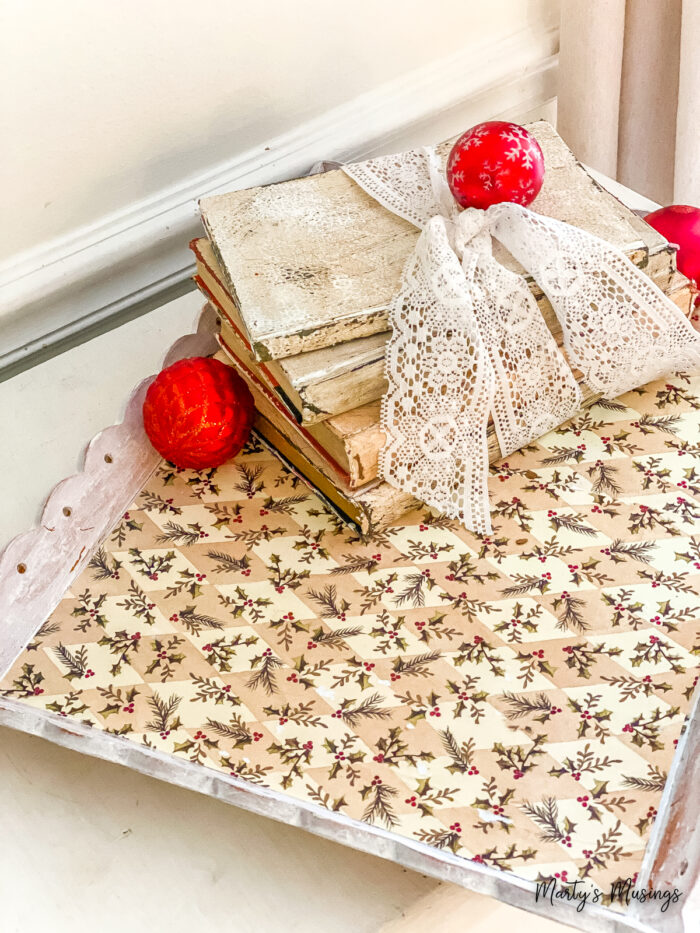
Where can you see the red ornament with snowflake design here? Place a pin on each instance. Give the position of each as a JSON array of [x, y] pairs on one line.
[[198, 413], [495, 161]]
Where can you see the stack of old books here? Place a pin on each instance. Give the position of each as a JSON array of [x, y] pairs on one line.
[[302, 273]]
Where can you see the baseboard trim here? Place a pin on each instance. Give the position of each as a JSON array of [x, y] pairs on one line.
[[97, 275]]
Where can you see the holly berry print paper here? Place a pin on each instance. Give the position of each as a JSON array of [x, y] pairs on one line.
[[514, 699]]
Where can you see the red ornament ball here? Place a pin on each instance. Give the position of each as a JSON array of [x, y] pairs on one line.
[[680, 224], [493, 162], [198, 413]]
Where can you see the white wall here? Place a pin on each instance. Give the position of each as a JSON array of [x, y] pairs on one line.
[[105, 103], [109, 101]]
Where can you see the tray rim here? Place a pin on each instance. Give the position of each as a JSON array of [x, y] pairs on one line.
[[411, 854]]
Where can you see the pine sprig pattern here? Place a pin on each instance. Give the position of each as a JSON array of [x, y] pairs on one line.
[[535, 705], [75, 662], [103, 567], [175, 533], [514, 700]]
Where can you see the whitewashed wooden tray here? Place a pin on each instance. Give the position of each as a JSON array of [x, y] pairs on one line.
[[38, 567]]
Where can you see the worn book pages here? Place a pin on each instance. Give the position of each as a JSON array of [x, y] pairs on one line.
[[346, 446], [315, 261], [369, 509]]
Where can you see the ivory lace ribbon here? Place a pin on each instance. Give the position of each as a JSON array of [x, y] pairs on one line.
[[469, 342]]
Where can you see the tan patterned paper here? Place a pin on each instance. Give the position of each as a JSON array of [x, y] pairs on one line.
[[515, 699]]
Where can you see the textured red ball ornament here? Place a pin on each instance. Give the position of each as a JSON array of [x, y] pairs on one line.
[[680, 224], [494, 162], [198, 413]]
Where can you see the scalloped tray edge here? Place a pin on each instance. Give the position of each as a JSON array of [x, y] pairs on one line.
[[39, 565]]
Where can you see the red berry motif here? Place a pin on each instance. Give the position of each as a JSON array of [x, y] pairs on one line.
[[493, 162]]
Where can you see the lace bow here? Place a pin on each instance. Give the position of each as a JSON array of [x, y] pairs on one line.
[[469, 342]]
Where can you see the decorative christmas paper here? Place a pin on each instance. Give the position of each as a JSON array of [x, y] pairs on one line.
[[512, 702]]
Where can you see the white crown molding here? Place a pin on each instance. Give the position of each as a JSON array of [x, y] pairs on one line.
[[95, 274]]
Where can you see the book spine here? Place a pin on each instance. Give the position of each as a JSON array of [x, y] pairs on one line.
[[242, 342], [368, 510], [276, 412], [333, 396]]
